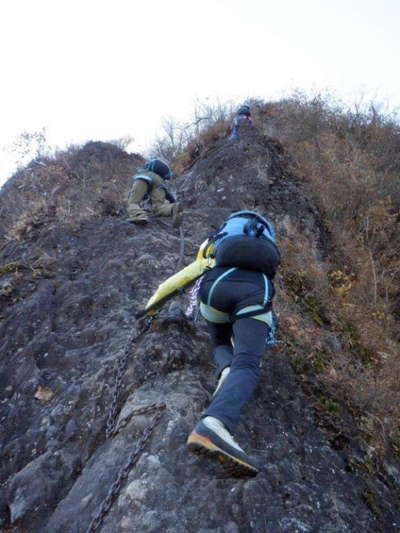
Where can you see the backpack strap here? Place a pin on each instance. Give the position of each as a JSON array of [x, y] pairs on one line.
[[214, 237], [207, 250]]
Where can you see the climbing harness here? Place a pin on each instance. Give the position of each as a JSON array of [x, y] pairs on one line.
[[256, 310], [112, 430]]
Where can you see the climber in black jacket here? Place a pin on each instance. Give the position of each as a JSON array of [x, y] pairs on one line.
[[243, 116], [236, 295]]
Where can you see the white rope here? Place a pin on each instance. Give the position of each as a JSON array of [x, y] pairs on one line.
[[193, 299]]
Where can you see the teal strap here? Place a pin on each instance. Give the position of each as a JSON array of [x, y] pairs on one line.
[[256, 312], [249, 308], [266, 290], [220, 278]]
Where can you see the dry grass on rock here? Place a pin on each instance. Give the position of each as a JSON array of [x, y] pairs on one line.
[[351, 161]]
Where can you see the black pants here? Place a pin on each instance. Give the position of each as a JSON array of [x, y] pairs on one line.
[[236, 291], [244, 361]]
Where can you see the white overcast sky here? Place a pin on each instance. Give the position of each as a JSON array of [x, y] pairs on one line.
[[100, 70]]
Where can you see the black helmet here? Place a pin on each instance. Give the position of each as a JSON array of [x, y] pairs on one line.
[[160, 168], [244, 110]]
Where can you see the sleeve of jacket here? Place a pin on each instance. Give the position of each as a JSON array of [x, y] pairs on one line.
[[169, 196], [179, 281]]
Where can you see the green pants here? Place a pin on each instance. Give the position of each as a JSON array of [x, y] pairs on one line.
[[160, 205]]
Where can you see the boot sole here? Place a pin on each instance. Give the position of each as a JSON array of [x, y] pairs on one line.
[[139, 221], [233, 466]]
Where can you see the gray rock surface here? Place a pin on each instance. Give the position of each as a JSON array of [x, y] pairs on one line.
[[66, 321]]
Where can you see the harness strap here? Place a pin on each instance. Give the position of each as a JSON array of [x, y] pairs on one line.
[[260, 309], [254, 312]]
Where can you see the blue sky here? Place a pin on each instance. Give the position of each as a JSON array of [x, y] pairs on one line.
[[103, 70]]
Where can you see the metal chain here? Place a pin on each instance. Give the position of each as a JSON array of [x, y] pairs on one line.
[[111, 430], [115, 488], [122, 364], [139, 411]]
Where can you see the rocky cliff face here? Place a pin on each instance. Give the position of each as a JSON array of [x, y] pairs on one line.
[[69, 290]]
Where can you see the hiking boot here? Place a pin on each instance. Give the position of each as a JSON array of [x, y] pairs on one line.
[[177, 215], [222, 378], [211, 439]]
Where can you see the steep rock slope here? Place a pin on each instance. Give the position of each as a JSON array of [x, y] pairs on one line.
[[69, 293]]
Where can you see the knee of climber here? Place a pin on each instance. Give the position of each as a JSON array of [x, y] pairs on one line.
[[138, 191], [247, 361]]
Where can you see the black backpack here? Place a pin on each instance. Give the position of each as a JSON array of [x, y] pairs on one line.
[[247, 240]]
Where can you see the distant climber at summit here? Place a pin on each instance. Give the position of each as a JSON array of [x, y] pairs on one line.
[[243, 116], [238, 262], [149, 182]]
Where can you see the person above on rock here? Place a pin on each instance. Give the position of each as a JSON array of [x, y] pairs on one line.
[[236, 291], [243, 115], [149, 182]]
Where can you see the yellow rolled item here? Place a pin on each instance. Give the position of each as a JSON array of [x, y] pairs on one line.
[[181, 279]]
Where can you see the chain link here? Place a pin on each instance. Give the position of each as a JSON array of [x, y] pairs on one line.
[[115, 488], [139, 411], [111, 430], [122, 364]]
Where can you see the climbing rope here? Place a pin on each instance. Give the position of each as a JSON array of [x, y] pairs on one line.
[[190, 311]]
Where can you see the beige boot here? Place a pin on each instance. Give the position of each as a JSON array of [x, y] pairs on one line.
[[210, 438], [136, 214]]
